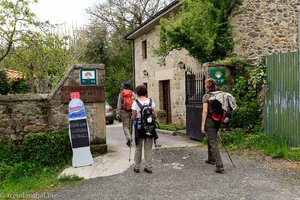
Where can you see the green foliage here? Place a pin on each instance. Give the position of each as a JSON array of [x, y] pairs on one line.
[[4, 84], [16, 20], [46, 149], [22, 169], [41, 55], [171, 127], [270, 145], [71, 178], [161, 113], [19, 86], [201, 27], [248, 81], [4, 170]]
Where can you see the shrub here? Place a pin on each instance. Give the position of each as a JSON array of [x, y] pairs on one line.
[[4, 85], [171, 127], [8, 152], [161, 113], [47, 149], [4, 170]]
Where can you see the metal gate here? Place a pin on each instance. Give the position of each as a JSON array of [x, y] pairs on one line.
[[194, 90], [282, 97]]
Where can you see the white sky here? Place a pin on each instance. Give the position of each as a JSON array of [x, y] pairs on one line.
[[71, 12]]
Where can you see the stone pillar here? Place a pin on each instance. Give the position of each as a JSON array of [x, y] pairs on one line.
[[91, 88]]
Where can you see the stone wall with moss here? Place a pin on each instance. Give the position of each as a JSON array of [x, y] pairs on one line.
[[22, 114], [265, 27]]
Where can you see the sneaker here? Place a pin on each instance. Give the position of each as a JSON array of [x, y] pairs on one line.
[[149, 171], [220, 170], [129, 142], [136, 170], [210, 162]]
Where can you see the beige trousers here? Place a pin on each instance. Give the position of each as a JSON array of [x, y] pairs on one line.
[[148, 142], [127, 122]]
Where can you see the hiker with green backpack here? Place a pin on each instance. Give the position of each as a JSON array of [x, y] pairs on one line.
[[143, 115]]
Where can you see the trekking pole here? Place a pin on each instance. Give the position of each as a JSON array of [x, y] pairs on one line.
[[223, 145], [130, 130]]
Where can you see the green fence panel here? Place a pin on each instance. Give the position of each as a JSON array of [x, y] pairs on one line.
[[282, 97]]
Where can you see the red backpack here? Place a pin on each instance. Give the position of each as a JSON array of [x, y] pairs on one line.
[[127, 99]]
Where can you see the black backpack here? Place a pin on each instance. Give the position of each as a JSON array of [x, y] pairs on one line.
[[217, 113], [147, 122]]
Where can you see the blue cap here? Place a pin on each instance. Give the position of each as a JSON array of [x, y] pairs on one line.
[[126, 85]]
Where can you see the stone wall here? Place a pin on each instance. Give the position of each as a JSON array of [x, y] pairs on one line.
[[22, 114], [265, 27]]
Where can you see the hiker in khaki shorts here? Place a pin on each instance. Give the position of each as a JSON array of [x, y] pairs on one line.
[[125, 99]]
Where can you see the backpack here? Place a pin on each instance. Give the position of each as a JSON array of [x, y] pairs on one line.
[[220, 113], [217, 113], [147, 121], [126, 99]]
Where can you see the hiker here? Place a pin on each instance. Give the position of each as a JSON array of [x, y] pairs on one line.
[[210, 128], [125, 99], [142, 136]]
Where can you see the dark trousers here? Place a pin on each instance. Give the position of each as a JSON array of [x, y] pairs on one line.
[[212, 128]]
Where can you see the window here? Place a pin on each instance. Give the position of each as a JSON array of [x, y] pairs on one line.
[[144, 49]]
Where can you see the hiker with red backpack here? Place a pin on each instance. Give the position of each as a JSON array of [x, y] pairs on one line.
[[125, 99], [210, 127]]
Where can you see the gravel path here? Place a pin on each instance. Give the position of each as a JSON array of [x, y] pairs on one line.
[[182, 174]]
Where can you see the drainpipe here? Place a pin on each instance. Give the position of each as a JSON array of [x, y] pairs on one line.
[[298, 9]]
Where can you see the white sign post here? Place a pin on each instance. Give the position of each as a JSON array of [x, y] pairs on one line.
[[79, 132]]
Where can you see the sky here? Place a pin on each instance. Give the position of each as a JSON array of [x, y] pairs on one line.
[[71, 12]]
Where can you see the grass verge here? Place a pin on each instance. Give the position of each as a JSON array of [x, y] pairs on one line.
[[269, 145]]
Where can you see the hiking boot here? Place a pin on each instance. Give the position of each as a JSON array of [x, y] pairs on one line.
[[129, 142], [149, 171], [136, 170], [219, 170], [210, 162]]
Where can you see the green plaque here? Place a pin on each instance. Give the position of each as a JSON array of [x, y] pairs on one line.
[[88, 77], [219, 74]]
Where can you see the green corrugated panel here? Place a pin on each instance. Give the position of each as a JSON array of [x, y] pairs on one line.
[[282, 97]]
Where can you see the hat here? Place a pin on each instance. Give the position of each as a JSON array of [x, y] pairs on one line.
[[126, 85]]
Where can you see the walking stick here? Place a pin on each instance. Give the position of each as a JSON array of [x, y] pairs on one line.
[[223, 145], [130, 130]]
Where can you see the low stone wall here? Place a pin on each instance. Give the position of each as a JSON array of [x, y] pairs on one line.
[[22, 114]]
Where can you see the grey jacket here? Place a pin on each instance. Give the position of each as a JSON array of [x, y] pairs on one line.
[[227, 100]]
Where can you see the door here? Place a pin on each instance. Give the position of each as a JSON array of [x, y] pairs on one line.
[[165, 99]]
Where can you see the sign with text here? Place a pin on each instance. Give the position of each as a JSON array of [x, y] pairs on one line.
[[88, 77], [79, 133], [88, 94]]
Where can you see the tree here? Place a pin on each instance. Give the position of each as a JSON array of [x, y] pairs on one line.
[[15, 21], [201, 27], [39, 56], [117, 14]]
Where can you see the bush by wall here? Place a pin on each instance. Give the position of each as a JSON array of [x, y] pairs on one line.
[[46, 149]]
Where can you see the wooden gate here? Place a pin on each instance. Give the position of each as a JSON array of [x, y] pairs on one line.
[[194, 89]]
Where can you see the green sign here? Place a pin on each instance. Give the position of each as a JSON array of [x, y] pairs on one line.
[[88, 77], [219, 74]]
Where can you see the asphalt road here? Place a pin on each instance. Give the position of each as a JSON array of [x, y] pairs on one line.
[[180, 173]]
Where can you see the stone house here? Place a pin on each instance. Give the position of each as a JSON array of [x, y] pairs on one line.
[[262, 28]]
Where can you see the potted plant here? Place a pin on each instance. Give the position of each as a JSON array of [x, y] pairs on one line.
[[161, 116]]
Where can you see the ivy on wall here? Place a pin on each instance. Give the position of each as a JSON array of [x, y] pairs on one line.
[[201, 27]]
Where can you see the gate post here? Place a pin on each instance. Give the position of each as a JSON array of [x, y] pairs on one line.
[[88, 80]]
